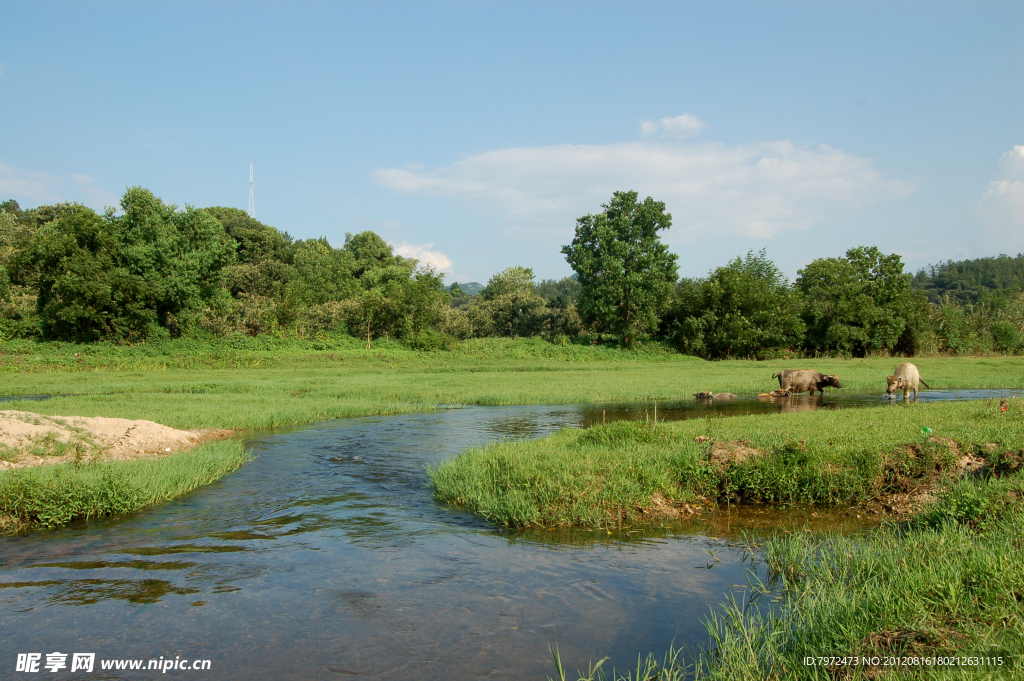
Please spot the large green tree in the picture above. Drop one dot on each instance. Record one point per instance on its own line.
(860, 304)
(626, 274)
(745, 309)
(126, 277)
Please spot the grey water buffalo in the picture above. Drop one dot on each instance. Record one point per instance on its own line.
(906, 378)
(705, 395)
(802, 380)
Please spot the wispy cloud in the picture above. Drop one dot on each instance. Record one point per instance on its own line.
(30, 186)
(426, 254)
(680, 127)
(758, 189)
(1001, 207)
(27, 184)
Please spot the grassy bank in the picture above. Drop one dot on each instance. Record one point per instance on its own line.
(622, 472)
(950, 584)
(51, 496)
(251, 383)
(947, 584)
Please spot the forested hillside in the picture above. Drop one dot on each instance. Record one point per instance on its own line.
(153, 271)
(973, 281)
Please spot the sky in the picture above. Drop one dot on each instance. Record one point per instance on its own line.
(473, 135)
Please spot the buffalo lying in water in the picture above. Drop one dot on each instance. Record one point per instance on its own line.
(802, 380)
(774, 393)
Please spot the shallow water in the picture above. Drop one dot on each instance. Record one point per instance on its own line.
(30, 398)
(751, 404)
(326, 555)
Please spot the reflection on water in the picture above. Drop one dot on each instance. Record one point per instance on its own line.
(326, 555)
(91, 591)
(749, 404)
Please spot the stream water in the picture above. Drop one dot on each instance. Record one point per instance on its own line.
(326, 556)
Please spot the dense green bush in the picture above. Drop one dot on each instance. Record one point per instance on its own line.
(745, 309)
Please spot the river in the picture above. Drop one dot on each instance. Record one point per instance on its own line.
(326, 556)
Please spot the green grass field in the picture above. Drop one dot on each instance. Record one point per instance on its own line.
(265, 382)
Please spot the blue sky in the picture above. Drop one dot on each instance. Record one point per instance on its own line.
(471, 135)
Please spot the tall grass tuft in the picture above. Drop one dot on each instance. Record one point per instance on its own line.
(51, 496)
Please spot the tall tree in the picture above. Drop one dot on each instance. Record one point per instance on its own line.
(859, 304)
(626, 274)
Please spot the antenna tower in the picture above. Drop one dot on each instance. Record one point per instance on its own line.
(252, 203)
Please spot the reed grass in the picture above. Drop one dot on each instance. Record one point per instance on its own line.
(55, 495)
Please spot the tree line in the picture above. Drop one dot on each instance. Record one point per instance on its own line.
(153, 271)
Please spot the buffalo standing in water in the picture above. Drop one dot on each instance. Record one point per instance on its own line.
(802, 380)
(906, 378)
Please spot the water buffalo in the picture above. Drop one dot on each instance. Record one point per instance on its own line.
(906, 378)
(773, 394)
(713, 396)
(802, 380)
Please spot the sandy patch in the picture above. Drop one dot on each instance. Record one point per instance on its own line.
(28, 439)
(725, 455)
(660, 507)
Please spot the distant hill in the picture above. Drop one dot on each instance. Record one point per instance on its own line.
(972, 281)
(470, 288)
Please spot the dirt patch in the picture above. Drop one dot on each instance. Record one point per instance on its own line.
(662, 508)
(969, 464)
(948, 442)
(1008, 462)
(900, 505)
(28, 439)
(888, 642)
(725, 455)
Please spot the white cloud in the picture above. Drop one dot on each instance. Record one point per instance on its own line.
(42, 188)
(97, 197)
(426, 255)
(1013, 160)
(680, 127)
(1001, 208)
(758, 189)
(26, 184)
